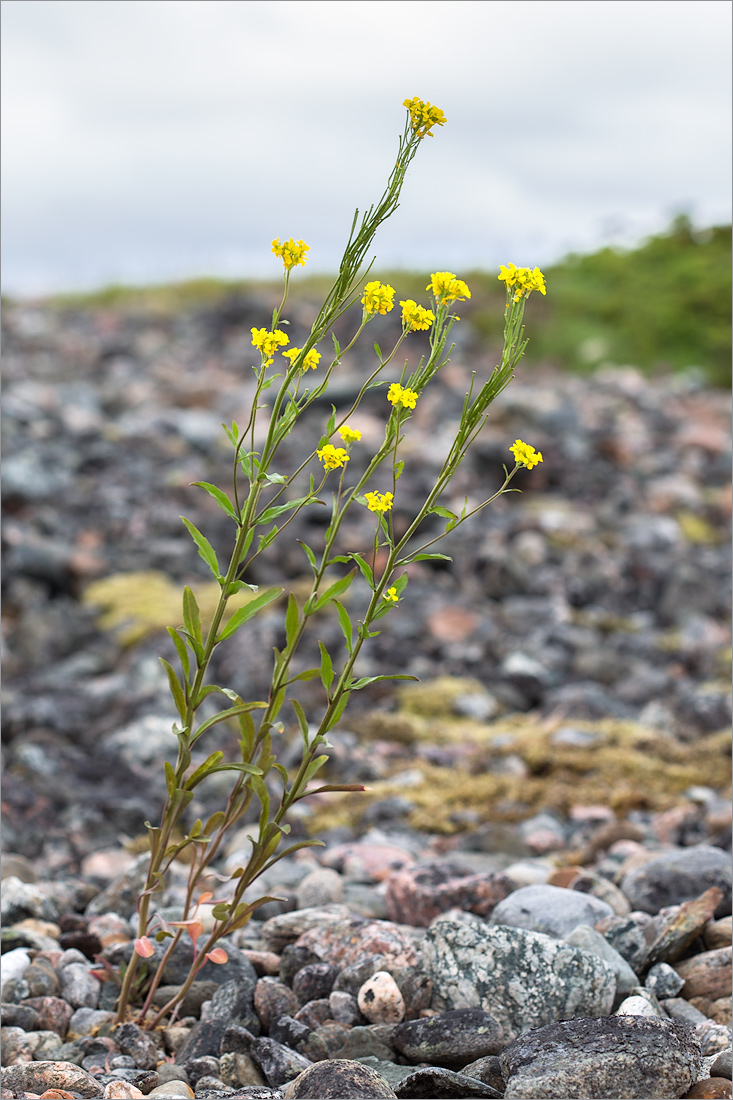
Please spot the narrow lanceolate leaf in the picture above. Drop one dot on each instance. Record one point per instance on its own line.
(291, 620)
(191, 615)
(326, 669)
(424, 557)
(223, 716)
(206, 550)
(170, 776)
(346, 626)
(176, 690)
(244, 614)
(302, 720)
(335, 589)
(180, 645)
(220, 497)
(362, 683)
(309, 554)
(203, 770)
(340, 708)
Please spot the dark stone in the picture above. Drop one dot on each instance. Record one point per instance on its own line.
(293, 959)
(626, 1057)
(314, 981)
(339, 1080)
(299, 1037)
(86, 942)
(679, 875)
(205, 1038)
(13, 1015)
(451, 1039)
(205, 1066)
(277, 1062)
(443, 1084)
(137, 1043)
(53, 1013)
(234, 1002)
(236, 1040)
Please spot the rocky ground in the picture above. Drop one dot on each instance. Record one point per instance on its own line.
(533, 899)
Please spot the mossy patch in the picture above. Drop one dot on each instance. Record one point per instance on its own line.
(627, 766)
(135, 605)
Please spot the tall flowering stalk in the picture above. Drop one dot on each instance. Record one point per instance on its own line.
(261, 507)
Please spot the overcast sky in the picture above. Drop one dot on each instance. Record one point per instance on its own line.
(146, 140)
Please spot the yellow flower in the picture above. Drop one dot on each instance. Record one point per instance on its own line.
(399, 396)
(415, 317)
(268, 342)
(525, 280)
(524, 454)
(311, 361)
(391, 595)
(423, 116)
(333, 457)
(447, 288)
(291, 252)
(349, 435)
(379, 502)
(378, 297)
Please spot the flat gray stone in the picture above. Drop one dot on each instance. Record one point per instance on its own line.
(338, 1079)
(587, 939)
(679, 875)
(523, 979)
(626, 1057)
(549, 909)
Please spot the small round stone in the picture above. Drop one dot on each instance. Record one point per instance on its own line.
(380, 1000)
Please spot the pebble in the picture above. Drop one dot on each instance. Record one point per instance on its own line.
(707, 974)
(380, 999)
(451, 1039)
(39, 1076)
(343, 1079)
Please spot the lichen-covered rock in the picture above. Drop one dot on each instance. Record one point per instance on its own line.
(619, 1056)
(523, 979)
(443, 1084)
(451, 1039)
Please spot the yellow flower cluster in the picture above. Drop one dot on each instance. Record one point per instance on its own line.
(333, 457)
(378, 297)
(268, 342)
(399, 396)
(391, 595)
(423, 116)
(446, 288)
(291, 252)
(524, 454)
(311, 361)
(379, 502)
(523, 279)
(415, 317)
(349, 435)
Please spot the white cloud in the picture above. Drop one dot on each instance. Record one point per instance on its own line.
(158, 138)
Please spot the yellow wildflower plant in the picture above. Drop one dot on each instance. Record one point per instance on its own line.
(402, 396)
(423, 116)
(379, 502)
(349, 435)
(333, 457)
(415, 317)
(311, 361)
(391, 595)
(268, 342)
(525, 455)
(445, 287)
(291, 252)
(378, 297)
(524, 279)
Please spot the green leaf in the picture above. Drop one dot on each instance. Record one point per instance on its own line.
(291, 620)
(214, 822)
(340, 708)
(399, 467)
(191, 614)
(439, 510)
(378, 351)
(366, 569)
(331, 422)
(180, 645)
(425, 557)
(260, 789)
(204, 769)
(170, 776)
(276, 479)
(309, 554)
(334, 589)
(176, 690)
(313, 767)
(302, 720)
(326, 668)
(223, 716)
(336, 346)
(220, 497)
(221, 911)
(359, 684)
(237, 586)
(347, 628)
(206, 550)
(244, 614)
(307, 674)
(270, 514)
